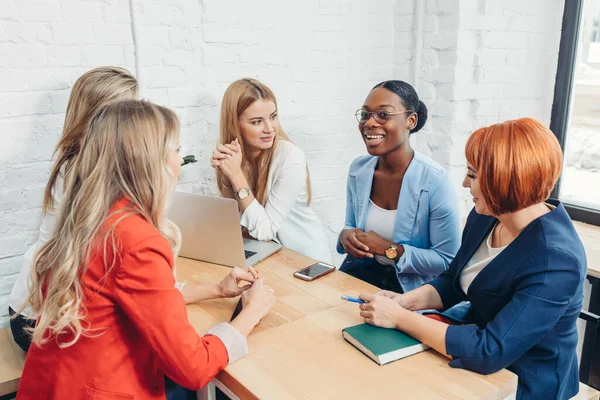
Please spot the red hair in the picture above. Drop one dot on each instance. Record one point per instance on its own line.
(517, 162)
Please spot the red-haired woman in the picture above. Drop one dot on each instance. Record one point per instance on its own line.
(520, 264)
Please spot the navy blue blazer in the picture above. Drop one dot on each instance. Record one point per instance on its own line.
(524, 305)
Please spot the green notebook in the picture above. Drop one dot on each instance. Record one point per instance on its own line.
(382, 345)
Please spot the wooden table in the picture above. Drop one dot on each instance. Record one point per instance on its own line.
(12, 359)
(590, 352)
(297, 351)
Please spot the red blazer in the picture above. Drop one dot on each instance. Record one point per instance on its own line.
(139, 330)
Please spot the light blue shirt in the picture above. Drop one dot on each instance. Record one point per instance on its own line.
(427, 221)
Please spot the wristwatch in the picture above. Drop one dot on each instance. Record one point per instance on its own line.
(392, 252)
(242, 193)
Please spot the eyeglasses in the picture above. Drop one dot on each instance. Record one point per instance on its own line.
(381, 116)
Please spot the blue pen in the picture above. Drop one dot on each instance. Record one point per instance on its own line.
(352, 299)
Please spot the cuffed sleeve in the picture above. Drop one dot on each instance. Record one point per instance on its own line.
(179, 286)
(235, 342)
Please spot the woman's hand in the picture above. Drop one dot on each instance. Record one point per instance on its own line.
(399, 298)
(377, 244)
(381, 311)
(352, 245)
(257, 302)
(228, 159)
(229, 286)
(259, 299)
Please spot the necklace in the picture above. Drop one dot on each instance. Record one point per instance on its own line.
(499, 234)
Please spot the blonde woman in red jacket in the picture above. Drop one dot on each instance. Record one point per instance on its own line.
(111, 323)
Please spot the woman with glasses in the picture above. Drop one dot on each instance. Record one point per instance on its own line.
(259, 166)
(402, 226)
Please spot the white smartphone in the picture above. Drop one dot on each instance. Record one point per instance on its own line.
(314, 271)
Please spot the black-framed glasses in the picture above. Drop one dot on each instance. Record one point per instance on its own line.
(381, 116)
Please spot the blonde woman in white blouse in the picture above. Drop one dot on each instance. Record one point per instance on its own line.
(265, 172)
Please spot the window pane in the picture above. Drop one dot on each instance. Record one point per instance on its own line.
(580, 182)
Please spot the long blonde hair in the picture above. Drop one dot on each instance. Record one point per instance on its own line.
(240, 95)
(91, 91)
(123, 155)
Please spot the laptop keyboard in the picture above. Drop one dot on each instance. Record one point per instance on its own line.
(249, 253)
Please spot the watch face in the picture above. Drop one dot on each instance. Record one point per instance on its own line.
(243, 193)
(391, 253)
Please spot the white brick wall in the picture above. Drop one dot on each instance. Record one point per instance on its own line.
(480, 61)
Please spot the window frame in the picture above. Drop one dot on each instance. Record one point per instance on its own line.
(561, 104)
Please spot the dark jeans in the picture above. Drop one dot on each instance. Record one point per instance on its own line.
(178, 392)
(17, 327)
(370, 271)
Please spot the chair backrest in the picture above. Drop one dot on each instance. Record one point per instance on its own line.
(592, 335)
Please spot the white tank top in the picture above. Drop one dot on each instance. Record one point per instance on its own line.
(382, 222)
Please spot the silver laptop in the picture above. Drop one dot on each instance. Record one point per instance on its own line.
(211, 231)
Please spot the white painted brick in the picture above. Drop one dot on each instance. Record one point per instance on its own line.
(449, 23)
(22, 56)
(59, 100)
(116, 11)
(153, 56)
(9, 10)
(158, 96)
(6, 284)
(29, 175)
(157, 36)
(10, 266)
(21, 199)
(63, 56)
(78, 11)
(504, 40)
(49, 78)
(15, 245)
(13, 80)
(72, 33)
(404, 7)
(537, 41)
(25, 32)
(439, 41)
(113, 34)
(96, 55)
(158, 14)
(181, 97)
(8, 31)
(439, 75)
(223, 33)
(178, 57)
(493, 57)
(39, 10)
(17, 104)
(21, 221)
(164, 77)
(442, 6)
(179, 38)
(488, 23)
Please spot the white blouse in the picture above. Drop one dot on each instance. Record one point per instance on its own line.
(20, 291)
(286, 216)
(480, 259)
